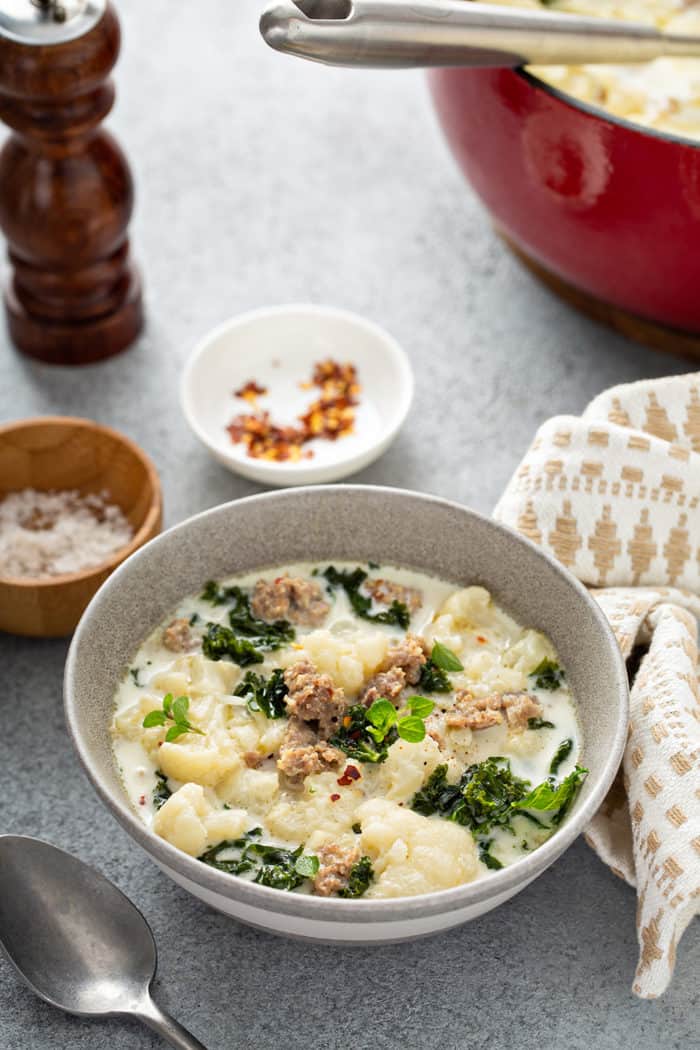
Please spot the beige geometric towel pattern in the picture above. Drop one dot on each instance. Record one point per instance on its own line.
(615, 496)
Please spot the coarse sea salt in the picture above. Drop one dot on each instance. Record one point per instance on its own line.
(52, 533)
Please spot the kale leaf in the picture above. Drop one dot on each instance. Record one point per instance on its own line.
(486, 857)
(266, 695)
(274, 866)
(539, 723)
(350, 580)
(433, 679)
(548, 675)
(161, 792)
(560, 755)
(220, 641)
(554, 800)
(359, 879)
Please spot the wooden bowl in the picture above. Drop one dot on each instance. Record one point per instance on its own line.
(60, 452)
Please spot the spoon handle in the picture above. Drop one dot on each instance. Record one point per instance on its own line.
(170, 1029)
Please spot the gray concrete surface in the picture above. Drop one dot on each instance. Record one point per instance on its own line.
(265, 180)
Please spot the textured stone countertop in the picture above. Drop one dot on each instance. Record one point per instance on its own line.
(262, 180)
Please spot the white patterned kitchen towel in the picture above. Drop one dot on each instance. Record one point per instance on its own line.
(615, 495)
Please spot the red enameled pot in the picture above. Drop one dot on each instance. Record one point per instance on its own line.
(610, 208)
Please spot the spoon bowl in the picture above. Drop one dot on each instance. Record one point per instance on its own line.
(76, 940)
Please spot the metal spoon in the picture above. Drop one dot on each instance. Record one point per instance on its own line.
(76, 940)
(397, 34)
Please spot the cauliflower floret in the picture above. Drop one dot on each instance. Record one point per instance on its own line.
(202, 759)
(194, 675)
(348, 662)
(254, 787)
(312, 817)
(412, 854)
(407, 766)
(187, 820)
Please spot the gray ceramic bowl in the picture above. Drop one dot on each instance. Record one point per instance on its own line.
(352, 522)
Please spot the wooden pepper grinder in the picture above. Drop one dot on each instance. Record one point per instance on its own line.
(66, 192)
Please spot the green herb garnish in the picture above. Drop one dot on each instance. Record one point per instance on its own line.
(174, 711)
(445, 659)
(266, 695)
(273, 866)
(548, 675)
(350, 580)
(539, 723)
(487, 857)
(560, 755)
(367, 733)
(161, 792)
(359, 879)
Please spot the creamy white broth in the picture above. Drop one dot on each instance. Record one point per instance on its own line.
(410, 853)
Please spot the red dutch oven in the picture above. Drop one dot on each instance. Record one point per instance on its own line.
(599, 203)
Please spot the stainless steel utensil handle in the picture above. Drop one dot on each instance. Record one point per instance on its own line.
(409, 33)
(171, 1030)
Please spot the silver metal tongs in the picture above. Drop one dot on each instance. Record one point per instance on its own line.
(407, 33)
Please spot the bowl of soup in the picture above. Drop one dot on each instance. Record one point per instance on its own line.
(593, 172)
(347, 713)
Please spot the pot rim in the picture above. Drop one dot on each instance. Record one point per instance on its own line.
(599, 113)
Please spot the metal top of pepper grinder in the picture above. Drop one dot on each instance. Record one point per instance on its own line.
(46, 22)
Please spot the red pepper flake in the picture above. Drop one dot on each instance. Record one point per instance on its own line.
(481, 640)
(142, 800)
(250, 392)
(334, 798)
(351, 773)
(330, 416)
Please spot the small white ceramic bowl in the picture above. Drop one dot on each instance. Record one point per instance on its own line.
(278, 347)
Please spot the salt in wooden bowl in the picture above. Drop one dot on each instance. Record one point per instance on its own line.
(66, 453)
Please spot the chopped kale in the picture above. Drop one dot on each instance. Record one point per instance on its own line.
(247, 637)
(194, 619)
(560, 755)
(273, 866)
(134, 672)
(350, 581)
(486, 857)
(553, 800)
(357, 829)
(489, 795)
(539, 723)
(548, 675)
(216, 594)
(266, 695)
(433, 679)
(359, 879)
(374, 565)
(433, 675)
(220, 641)
(161, 792)
(482, 799)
